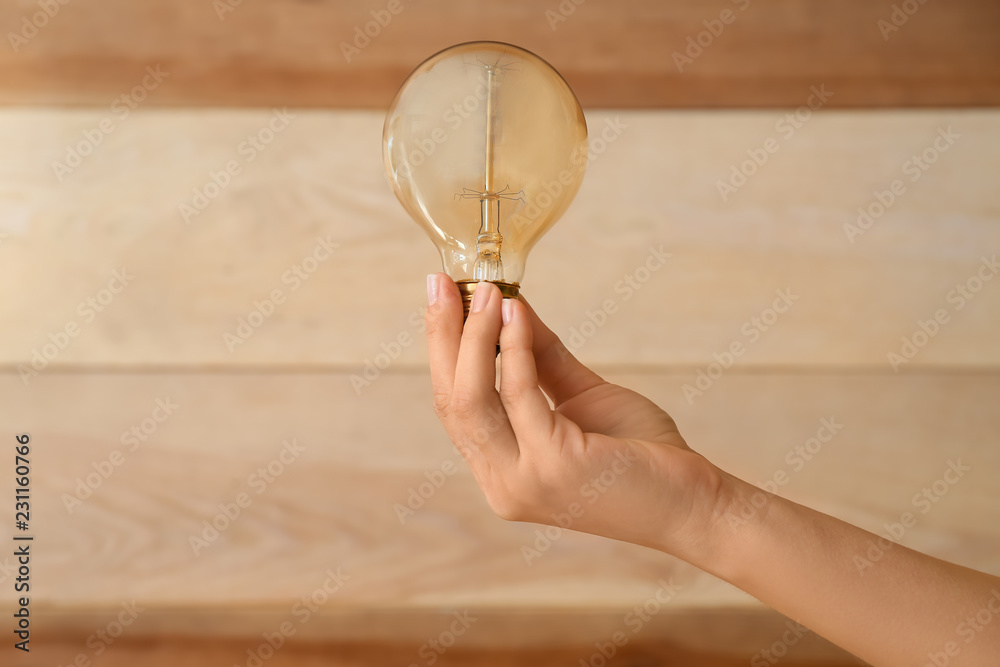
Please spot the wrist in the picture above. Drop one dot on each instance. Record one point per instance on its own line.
(733, 528)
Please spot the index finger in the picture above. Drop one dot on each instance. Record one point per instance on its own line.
(443, 321)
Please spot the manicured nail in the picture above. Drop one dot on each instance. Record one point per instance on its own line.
(506, 310)
(432, 288)
(481, 296)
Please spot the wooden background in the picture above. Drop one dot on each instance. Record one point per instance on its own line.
(370, 439)
(614, 54)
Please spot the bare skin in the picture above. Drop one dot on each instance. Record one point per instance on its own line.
(532, 460)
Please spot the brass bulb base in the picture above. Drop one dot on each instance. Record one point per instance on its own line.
(468, 287)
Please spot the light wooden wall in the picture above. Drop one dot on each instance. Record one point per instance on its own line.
(301, 375)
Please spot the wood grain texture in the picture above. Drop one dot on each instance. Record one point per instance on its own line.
(653, 185)
(334, 506)
(710, 634)
(200, 653)
(339, 366)
(614, 54)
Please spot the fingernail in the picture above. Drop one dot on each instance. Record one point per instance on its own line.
(480, 297)
(432, 288)
(506, 310)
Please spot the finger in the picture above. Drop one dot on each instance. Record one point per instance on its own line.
(475, 404)
(560, 374)
(475, 372)
(526, 406)
(443, 321)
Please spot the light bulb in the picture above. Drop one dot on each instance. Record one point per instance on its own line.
(485, 145)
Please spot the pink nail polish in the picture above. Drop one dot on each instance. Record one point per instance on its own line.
(432, 288)
(481, 296)
(506, 310)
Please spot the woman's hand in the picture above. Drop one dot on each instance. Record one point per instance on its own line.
(607, 461)
(604, 460)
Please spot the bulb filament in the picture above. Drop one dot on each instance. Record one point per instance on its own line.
(489, 265)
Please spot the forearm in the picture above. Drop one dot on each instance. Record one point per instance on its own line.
(883, 602)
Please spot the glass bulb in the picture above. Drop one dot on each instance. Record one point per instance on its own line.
(485, 145)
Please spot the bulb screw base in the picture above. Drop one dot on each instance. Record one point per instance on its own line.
(468, 287)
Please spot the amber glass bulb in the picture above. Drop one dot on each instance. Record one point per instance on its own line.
(485, 145)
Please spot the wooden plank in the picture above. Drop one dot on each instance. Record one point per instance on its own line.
(164, 652)
(614, 54)
(335, 505)
(655, 184)
(712, 633)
